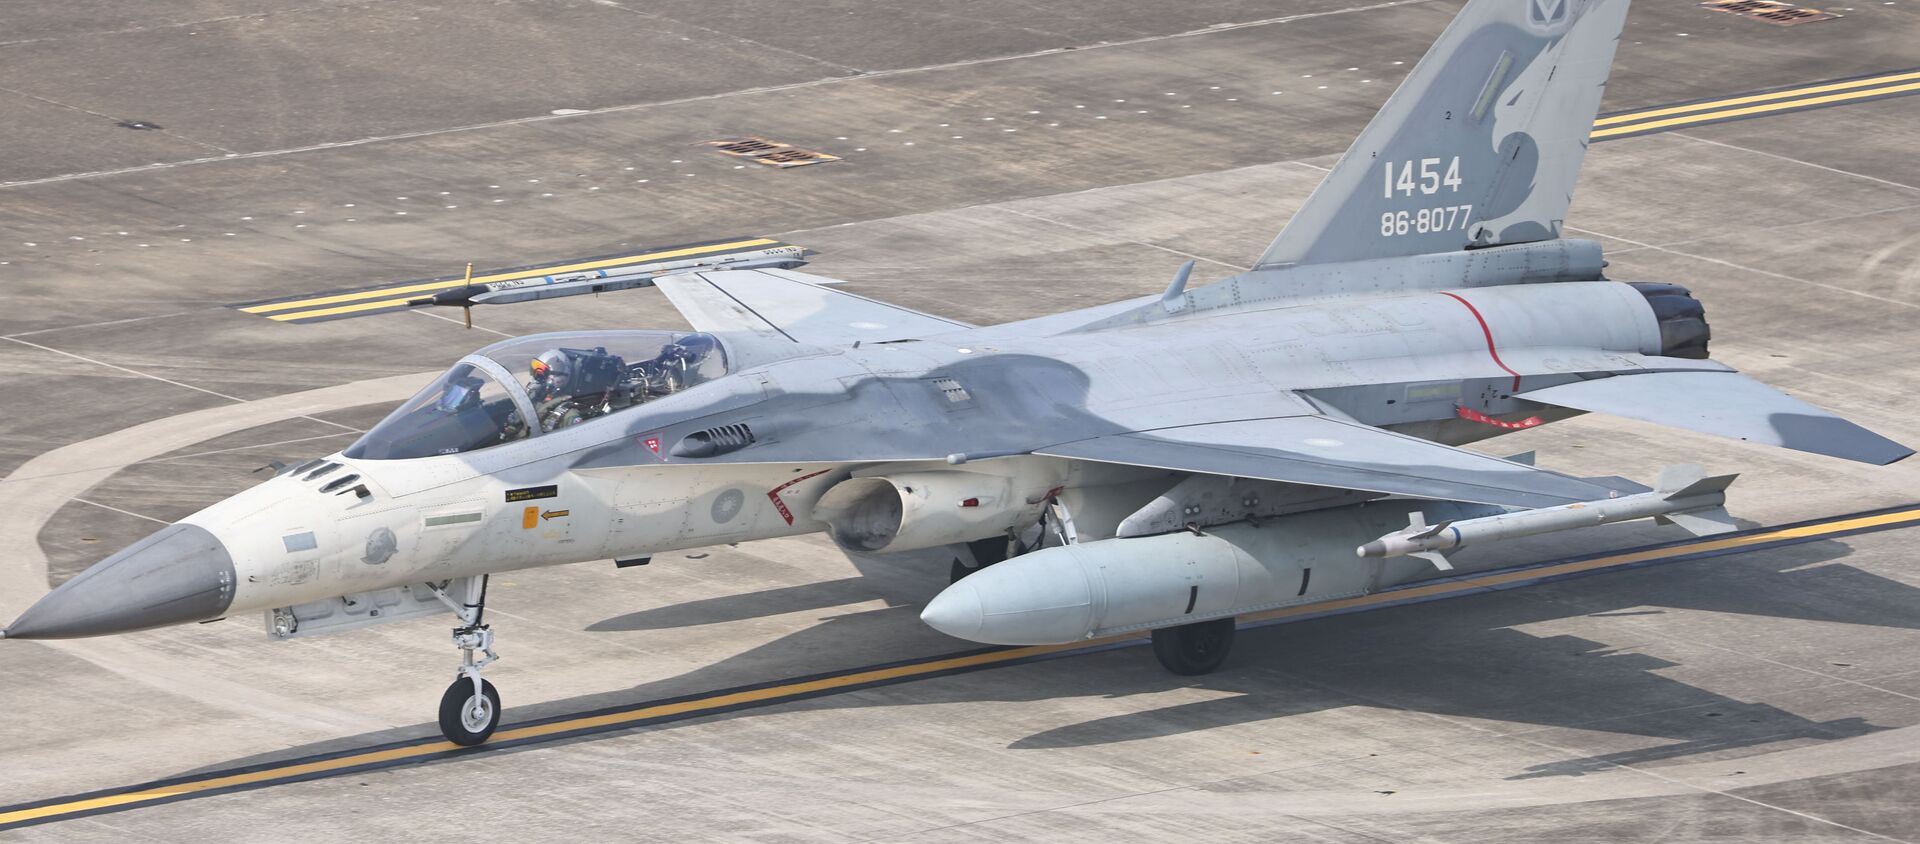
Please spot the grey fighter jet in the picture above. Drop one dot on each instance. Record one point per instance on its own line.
(1162, 463)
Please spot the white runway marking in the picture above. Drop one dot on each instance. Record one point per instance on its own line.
(120, 511)
(834, 80)
(1775, 155)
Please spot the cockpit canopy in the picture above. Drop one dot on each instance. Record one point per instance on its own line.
(555, 380)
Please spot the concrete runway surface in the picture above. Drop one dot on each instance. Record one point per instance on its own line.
(1001, 160)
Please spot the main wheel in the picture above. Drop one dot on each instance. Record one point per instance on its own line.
(1192, 649)
(467, 719)
(985, 552)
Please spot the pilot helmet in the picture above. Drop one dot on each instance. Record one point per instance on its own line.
(551, 364)
(690, 350)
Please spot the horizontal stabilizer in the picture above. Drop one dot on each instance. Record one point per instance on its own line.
(1727, 404)
(1320, 451)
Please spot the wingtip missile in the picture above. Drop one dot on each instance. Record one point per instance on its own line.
(606, 280)
(457, 297)
(1685, 496)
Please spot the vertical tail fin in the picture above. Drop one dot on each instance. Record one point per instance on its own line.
(1480, 146)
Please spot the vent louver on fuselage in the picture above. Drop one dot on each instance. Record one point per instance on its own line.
(714, 441)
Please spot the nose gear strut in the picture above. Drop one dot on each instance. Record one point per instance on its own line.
(470, 708)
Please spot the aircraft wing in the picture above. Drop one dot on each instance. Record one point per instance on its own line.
(1727, 404)
(792, 306)
(1322, 451)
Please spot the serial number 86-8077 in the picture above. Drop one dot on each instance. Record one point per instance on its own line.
(1441, 219)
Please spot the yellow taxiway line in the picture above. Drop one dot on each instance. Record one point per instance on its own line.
(713, 703)
(1618, 124)
(1731, 102)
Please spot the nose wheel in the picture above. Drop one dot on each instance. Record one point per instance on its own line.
(469, 712)
(470, 708)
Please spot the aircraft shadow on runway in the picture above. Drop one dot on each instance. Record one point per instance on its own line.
(1464, 658)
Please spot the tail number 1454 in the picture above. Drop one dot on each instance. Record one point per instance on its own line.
(1428, 179)
(1424, 177)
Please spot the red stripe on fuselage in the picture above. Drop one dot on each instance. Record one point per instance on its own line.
(1488, 332)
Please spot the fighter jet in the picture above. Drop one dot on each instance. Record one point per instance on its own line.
(1284, 436)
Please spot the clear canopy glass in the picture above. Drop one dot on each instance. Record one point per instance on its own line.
(563, 379)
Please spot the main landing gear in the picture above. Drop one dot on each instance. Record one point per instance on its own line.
(1054, 528)
(986, 552)
(1193, 649)
(470, 709)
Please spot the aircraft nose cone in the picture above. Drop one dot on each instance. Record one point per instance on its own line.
(956, 611)
(181, 573)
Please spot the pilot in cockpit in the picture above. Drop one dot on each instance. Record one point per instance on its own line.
(551, 372)
(572, 385)
(677, 365)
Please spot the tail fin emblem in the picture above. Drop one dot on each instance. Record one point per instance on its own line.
(1545, 14)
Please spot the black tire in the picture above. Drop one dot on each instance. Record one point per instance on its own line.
(985, 552)
(1194, 649)
(457, 724)
(988, 551)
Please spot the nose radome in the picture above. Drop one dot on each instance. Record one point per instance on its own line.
(181, 573)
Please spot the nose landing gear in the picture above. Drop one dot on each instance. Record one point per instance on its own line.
(470, 708)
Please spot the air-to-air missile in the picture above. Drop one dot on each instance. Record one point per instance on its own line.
(1090, 590)
(1686, 497)
(607, 280)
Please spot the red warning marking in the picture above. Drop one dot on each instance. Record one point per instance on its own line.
(781, 506)
(1488, 332)
(652, 442)
(1472, 415)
